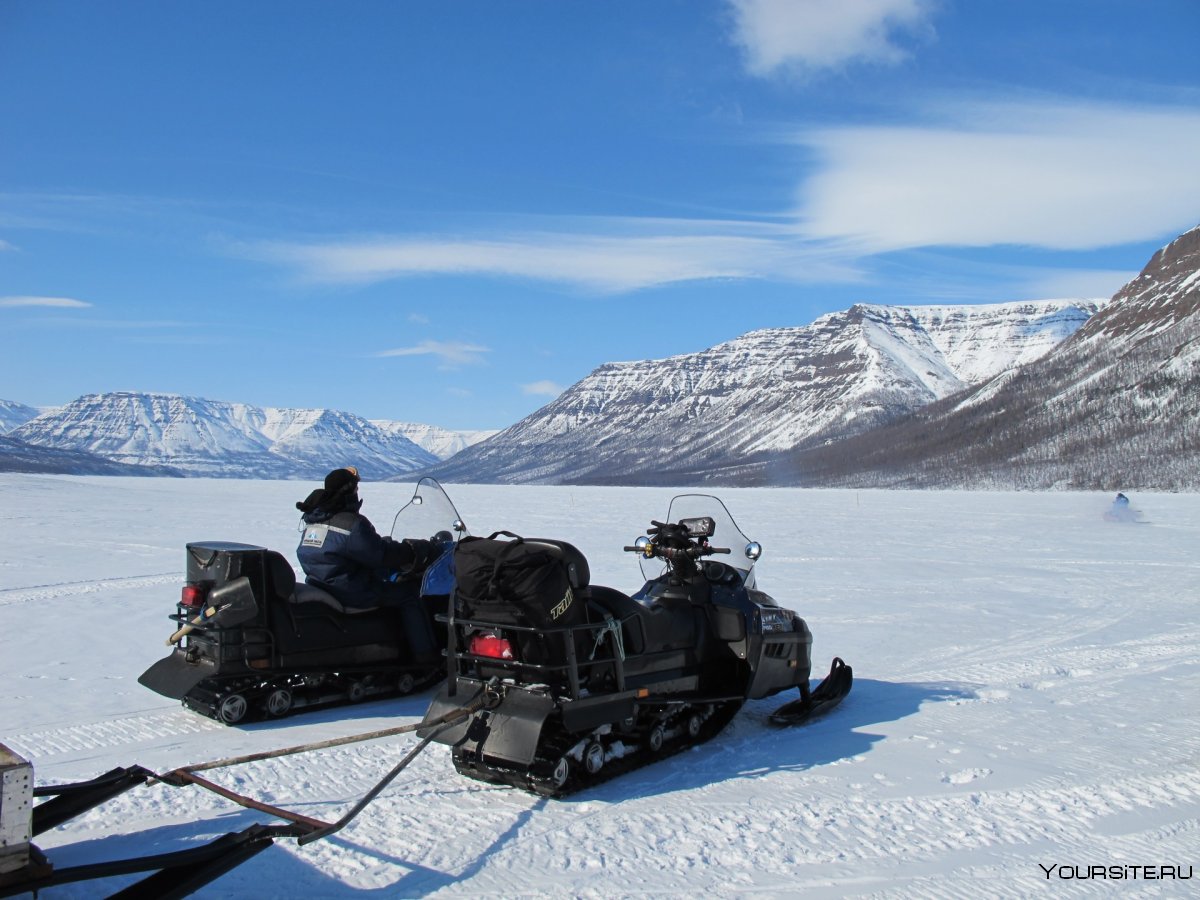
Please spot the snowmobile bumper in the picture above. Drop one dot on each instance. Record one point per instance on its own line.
(510, 730)
(174, 676)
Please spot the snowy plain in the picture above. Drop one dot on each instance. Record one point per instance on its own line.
(1026, 705)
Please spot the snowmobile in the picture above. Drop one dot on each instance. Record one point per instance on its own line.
(1122, 511)
(253, 642)
(580, 682)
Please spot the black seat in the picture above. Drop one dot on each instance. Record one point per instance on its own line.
(287, 589)
(625, 610)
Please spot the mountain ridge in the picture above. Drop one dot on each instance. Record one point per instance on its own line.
(769, 390)
(1115, 406)
(200, 437)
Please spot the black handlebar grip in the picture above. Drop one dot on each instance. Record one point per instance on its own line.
(719, 550)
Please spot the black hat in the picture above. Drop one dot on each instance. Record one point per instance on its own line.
(340, 479)
(341, 486)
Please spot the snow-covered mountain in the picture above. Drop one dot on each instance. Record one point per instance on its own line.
(767, 391)
(441, 442)
(1116, 406)
(13, 414)
(223, 440)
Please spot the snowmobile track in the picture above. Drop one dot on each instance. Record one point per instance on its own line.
(41, 592)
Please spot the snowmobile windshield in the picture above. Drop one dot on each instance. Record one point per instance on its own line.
(726, 533)
(429, 515)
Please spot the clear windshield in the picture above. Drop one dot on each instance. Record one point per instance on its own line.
(725, 534)
(429, 515)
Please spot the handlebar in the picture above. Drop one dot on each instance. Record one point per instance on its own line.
(652, 550)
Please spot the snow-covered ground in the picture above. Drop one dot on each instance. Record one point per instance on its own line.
(1027, 701)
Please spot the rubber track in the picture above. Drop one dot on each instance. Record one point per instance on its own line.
(535, 779)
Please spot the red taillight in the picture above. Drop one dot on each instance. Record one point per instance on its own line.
(491, 645)
(194, 595)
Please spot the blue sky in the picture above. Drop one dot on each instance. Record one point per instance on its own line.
(448, 212)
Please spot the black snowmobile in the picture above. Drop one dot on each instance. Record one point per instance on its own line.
(582, 682)
(254, 642)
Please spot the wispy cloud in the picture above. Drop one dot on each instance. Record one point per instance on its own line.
(451, 353)
(620, 256)
(804, 36)
(1054, 175)
(6, 247)
(55, 302)
(542, 389)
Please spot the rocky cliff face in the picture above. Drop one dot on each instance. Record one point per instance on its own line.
(223, 440)
(766, 392)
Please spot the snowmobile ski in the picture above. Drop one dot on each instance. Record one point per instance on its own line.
(822, 699)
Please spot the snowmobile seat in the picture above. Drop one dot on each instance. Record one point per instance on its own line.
(310, 593)
(627, 611)
(280, 574)
(660, 626)
(290, 591)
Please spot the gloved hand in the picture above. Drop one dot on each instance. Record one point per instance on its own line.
(424, 553)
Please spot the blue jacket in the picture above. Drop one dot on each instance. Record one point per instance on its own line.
(343, 554)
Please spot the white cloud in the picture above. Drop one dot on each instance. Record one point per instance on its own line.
(6, 247)
(56, 302)
(624, 255)
(542, 389)
(451, 353)
(807, 35)
(1049, 175)
(418, 319)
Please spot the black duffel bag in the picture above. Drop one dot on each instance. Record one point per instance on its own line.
(516, 582)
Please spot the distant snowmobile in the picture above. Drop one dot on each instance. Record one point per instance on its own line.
(1122, 511)
(581, 682)
(253, 642)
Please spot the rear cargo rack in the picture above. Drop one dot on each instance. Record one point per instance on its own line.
(571, 667)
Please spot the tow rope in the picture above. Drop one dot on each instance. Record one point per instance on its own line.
(310, 829)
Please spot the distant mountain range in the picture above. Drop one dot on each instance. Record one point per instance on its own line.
(685, 418)
(193, 436)
(1055, 393)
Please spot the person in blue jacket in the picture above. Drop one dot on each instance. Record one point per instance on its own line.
(341, 553)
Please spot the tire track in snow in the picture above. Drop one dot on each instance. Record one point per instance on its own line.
(119, 732)
(835, 831)
(1022, 669)
(10, 596)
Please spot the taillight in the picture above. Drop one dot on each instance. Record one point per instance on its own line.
(194, 595)
(491, 645)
